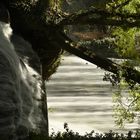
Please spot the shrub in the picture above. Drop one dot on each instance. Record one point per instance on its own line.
(70, 135)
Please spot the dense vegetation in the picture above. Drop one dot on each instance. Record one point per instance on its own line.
(70, 135)
(75, 136)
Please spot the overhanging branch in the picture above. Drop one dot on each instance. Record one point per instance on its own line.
(102, 17)
(101, 21)
(104, 63)
(54, 34)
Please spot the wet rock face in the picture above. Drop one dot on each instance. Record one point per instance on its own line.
(20, 87)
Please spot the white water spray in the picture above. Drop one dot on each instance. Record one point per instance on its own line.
(20, 88)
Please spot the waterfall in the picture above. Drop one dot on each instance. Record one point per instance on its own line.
(20, 87)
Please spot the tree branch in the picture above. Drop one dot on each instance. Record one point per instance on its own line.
(102, 17)
(65, 43)
(101, 21)
(52, 34)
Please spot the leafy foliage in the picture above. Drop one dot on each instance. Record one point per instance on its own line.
(124, 6)
(127, 92)
(70, 135)
(125, 42)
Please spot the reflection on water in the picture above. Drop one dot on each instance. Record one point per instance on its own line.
(78, 95)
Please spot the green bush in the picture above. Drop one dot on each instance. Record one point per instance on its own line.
(70, 135)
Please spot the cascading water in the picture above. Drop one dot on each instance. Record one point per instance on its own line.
(20, 87)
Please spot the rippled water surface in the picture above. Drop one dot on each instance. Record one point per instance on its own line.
(78, 95)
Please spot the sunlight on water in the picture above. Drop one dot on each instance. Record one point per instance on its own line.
(78, 95)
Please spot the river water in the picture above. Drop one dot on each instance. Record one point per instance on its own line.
(78, 95)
